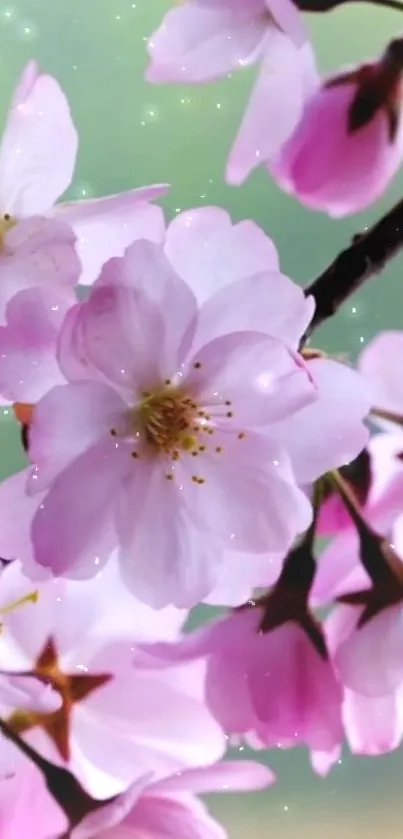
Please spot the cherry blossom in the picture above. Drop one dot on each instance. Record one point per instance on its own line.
(113, 725)
(202, 40)
(274, 685)
(348, 144)
(202, 408)
(37, 159)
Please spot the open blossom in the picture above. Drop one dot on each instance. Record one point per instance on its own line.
(37, 159)
(113, 725)
(348, 144)
(274, 685)
(199, 41)
(233, 270)
(161, 440)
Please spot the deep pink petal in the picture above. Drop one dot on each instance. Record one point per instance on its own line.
(28, 363)
(38, 149)
(197, 42)
(267, 302)
(274, 109)
(345, 172)
(248, 378)
(72, 527)
(210, 253)
(329, 432)
(164, 556)
(105, 227)
(66, 422)
(339, 570)
(294, 691)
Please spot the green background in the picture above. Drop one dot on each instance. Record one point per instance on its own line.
(133, 134)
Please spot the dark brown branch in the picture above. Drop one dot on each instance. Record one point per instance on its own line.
(368, 254)
(328, 5)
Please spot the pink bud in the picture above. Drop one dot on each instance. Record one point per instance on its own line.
(349, 143)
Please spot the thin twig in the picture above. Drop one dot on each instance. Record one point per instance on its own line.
(368, 254)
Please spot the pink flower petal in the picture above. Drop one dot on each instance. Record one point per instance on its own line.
(294, 691)
(165, 558)
(17, 510)
(248, 497)
(27, 808)
(370, 660)
(112, 814)
(39, 252)
(210, 253)
(258, 376)
(72, 527)
(329, 432)
(39, 147)
(28, 364)
(339, 570)
(289, 18)
(267, 302)
(197, 42)
(373, 725)
(105, 227)
(380, 363)
(240, 573)
(274, 109)
(172, 818)
(226, 776)
(146, 271)
(66, 422)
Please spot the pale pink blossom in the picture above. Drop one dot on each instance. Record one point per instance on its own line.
(201, 40)
(348, 144)
(37, 159)
(163, 436)
(274, 685)
(115, 723)
(233, 270)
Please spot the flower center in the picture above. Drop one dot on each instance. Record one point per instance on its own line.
(6, 224)
(167, 420)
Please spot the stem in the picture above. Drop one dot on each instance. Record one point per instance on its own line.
(368, 254)
(300, 566)
(390, 416)
(372, 554)
(61, 784)
(328, 5)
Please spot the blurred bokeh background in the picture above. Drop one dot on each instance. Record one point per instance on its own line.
(133, 134)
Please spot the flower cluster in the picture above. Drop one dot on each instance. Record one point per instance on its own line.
(185, 444)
